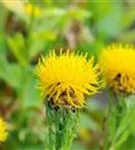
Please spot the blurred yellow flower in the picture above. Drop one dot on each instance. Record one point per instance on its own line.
(3, 132)
(64, 79)
(85, 134)
(118, 64)
(29, 9)
(23, 8)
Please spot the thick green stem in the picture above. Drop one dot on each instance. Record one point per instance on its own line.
(62, 127)
(116, 110)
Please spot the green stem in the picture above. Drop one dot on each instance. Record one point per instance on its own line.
(115, 111)
(62, 127)
(51, 133)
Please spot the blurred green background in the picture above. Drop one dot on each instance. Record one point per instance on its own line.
(31, 28)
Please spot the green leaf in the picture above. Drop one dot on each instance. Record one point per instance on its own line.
(127, 123)
(108, 17)
(93, 49)
(53, 12)
(17, 46)
(30, 95)
(39, 41)
(77, 13)
(11, 73)
(14, 75)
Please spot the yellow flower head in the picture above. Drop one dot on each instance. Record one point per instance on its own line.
(118, 65)
(64, 79)
(29, 9)
(3, 132)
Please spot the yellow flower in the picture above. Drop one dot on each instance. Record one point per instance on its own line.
(64, 79)
(118, 65)
(29, 9)
(3, 132)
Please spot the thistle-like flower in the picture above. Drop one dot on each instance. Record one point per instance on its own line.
(65, 79)
(118, 65)
(3, 131)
